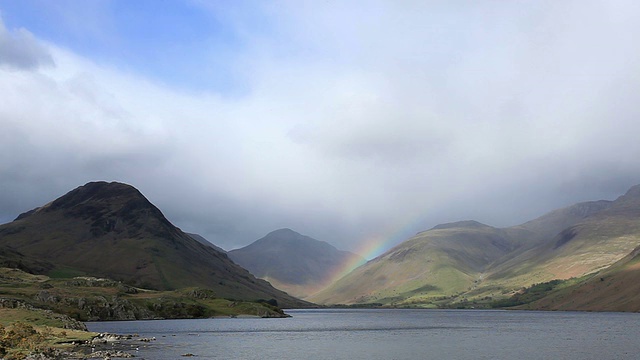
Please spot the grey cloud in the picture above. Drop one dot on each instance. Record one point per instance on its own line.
(378, 125)
(19, 49)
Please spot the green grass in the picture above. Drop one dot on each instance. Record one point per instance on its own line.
(20, 337)
(535, 292)
(64, 295)
(65, 273)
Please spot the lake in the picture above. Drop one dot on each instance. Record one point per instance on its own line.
(392, 334)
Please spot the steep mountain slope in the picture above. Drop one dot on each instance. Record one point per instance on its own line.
(205, 242)
(111, 230)
(467, 260)
(10, 258)
(444, 261)
(616, 288)
(590, 244)
(298, 264)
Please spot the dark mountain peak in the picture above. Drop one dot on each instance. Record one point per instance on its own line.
(92, 195)
(99, 191)
(286, 238)
(297, 263)
(109, 229)
(466, 224)
(112, 206)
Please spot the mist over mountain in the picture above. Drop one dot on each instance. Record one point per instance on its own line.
(293, 262)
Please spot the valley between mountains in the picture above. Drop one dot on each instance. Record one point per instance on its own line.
(108, 247)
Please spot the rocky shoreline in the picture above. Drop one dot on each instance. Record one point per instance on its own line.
(101, 347)
(106, 346)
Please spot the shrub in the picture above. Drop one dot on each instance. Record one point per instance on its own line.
(19, 338)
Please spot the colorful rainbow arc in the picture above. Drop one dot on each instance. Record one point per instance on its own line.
(375, 246)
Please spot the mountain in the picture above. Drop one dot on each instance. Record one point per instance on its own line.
(470, 262)
(298, 264)
(111, 230)
(590, 243)
(555, 221)
(205, 242)
(447, 260)
(616, 288)
(10, 258)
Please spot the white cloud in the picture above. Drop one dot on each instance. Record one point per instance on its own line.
(357, 118)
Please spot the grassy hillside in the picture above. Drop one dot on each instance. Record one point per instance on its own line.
(469, 264)
(92, 299)
(589, 245)
(111, 230)
(616, 288)
(439, 263)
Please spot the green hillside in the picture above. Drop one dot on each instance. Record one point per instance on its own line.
(93, 299)
(111, 230)
(445, 261)
(616, 288)
(590, 244)
(470, 264)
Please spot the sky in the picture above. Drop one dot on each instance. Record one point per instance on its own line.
(353, 122)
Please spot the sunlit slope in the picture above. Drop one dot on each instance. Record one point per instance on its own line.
(593, 243)
(111, 230)
(464, 261)
(616, 288)
(295, 263)
(446, 260)
(542, 232)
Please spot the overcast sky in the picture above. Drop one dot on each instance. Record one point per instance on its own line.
(343, 120)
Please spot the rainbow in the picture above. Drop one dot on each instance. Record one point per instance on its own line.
(372, 247)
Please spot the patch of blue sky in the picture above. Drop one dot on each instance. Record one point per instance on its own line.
(178, 43)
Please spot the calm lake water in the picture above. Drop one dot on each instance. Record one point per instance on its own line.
(392, 334)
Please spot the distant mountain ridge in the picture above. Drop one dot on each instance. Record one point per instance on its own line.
(469, 261)
(296, 263)
(111, 230)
